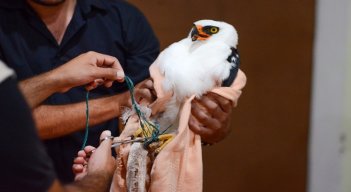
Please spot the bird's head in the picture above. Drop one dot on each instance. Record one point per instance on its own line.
(209, 30)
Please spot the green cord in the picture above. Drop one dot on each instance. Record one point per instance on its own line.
(143, 120)
(86, 121)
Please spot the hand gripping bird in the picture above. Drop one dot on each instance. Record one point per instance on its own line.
(206, 59)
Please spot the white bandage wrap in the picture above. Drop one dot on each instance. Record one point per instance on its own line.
(5, 72)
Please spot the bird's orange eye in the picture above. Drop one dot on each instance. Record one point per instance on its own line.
(214, 30)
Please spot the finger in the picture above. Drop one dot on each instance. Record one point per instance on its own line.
(90, 87)
(148, 88)
(144, 95)
(200, 113)
(198, 128)
(105, 143)
(109, 73)
(112, 62)
(212, 107)
(77, 168)
(202, 116)
(224, 103)
(89, 149)
(108, 83)
(148, 84)
(81, 153)
(94, 84)
(207, 135)
(79, 160)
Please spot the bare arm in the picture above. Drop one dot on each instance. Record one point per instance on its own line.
(86, 68)
(38, 88)
(54, 121)
(59, 120)
(90, 183)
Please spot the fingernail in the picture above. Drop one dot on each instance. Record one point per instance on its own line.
(120, 74)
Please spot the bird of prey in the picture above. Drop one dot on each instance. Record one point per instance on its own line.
(207, 58)
(204, 60)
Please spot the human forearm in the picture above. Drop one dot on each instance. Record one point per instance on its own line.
(38, 88)
(97, 182)
(54, 121)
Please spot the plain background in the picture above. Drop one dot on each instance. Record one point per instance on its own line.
(267, 148)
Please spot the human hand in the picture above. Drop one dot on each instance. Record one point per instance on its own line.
(81, 161)
(95, 160)
(89, 68)
(210, 117)
(144, 92)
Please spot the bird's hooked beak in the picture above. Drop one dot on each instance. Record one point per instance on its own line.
(198, 34)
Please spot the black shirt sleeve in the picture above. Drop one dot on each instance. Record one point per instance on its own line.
(142, 45)
(25, 164)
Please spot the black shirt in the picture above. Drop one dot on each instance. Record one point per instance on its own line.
(25, 166)
(112, 27)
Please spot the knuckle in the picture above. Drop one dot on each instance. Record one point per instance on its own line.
(92, 60)
(115, 59)
(145, 92)
(212, 106)
(202, 116)
(193, 125)
(226, 102)
(221, 116)
(141, 93)
(94, 72)
(149, 83)
(90, 53)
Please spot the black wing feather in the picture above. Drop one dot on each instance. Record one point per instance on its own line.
(235, 59)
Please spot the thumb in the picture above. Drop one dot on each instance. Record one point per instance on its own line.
(110, 73)
(106, 140)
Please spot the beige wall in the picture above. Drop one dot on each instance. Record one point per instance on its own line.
(267, 149)
(346, 184)
(330, 147)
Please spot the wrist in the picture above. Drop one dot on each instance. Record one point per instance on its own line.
(92, 182)
(117, 102)
(103, 174)
(50, 82)
(56, 81)
(125, 99)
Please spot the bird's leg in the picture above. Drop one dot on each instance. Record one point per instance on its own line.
(164, 140)
(138, 132)
(144, 131)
